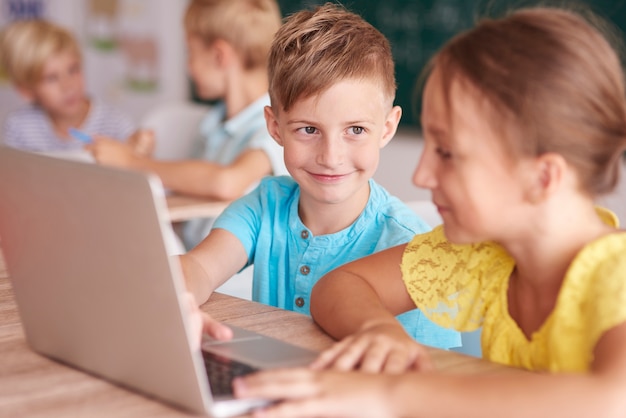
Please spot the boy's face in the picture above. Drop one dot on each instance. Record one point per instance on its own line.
(332, 141)
(61, 89)
(203, 64)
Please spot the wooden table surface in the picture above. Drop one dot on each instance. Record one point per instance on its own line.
(183, 208)
(34, 386)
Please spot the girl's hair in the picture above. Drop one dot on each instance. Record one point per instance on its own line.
(247, 25)
(553, 76)
(317, 48)
(26, 45)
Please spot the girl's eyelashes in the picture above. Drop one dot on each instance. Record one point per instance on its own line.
(443, 153)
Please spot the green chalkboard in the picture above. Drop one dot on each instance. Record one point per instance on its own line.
(418, 28)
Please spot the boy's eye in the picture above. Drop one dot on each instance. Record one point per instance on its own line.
(309, 130)
(443, 154)
(357, 130)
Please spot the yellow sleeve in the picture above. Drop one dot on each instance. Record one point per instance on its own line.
(453, 284)
(599, 287)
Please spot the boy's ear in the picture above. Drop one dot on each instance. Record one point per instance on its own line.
(391, 125)
(548, 176)
(224, 53)
(26, 93)
(272, 124)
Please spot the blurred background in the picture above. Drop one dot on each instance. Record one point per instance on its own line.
(135, 58)
(135, 55)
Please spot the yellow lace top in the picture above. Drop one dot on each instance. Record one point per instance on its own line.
(465, 287)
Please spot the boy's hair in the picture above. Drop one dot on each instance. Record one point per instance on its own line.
(26, 45)
(248, 25)
(554, 80)
(315, 49)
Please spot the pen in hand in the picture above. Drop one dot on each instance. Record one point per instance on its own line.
(81, 136)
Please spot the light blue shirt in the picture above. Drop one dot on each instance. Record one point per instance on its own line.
(288, 259)
(222, 141)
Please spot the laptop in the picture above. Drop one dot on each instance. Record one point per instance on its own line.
(86, 250)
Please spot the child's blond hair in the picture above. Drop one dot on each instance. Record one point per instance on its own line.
(317, 48)
(26, 45)
(248, 25)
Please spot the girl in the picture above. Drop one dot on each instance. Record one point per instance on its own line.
(524, 124)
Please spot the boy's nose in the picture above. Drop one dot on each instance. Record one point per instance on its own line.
(331, 152)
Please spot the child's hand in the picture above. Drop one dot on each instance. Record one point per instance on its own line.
(382, 347)
(142, 142)
(203, 323)
(309, 393)
(109, 151)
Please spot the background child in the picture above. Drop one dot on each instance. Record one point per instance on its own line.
(44, 62)
(332, 88)
(228, 42)
(524, 123)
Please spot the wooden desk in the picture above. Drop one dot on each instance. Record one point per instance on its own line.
(183, 208)
(34, 386)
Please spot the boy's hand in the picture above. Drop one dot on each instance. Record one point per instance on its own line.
(382, 347)
(109, 151)
(310, 393)
(142, 142)
(203, 323)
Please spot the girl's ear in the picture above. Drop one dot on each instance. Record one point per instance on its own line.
(548, 175)
(391, 125)
(272, 124)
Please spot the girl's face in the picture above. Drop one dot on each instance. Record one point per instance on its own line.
(478, 189)
(61, 90)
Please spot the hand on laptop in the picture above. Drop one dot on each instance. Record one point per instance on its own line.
(203, 323)
(311, 393)
(383, 347)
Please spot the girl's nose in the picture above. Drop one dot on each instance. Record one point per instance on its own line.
(424, 175)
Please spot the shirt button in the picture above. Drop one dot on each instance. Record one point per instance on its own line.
(299, 302)
(305, 270)
(304, 234)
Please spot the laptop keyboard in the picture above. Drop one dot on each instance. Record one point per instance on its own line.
(222, 370)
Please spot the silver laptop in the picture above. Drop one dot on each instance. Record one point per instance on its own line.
(96, 289)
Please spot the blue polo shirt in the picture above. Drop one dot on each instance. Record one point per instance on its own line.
(288, 259)
(222, 141)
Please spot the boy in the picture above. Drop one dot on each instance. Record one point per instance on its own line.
(228, 43)
(43, 61)
(332, 88)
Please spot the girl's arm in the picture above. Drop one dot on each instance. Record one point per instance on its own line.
(358, 302)
(511, 394)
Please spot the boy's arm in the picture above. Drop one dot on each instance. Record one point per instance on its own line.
(216, 259)
(208, 179)
(192, 177)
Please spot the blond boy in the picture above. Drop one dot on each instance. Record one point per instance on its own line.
(228, 42)
(332, 89)
(44, 63)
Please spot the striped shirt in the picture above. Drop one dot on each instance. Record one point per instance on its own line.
(29, 128)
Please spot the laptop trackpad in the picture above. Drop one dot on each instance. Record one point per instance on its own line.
(260, 351)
